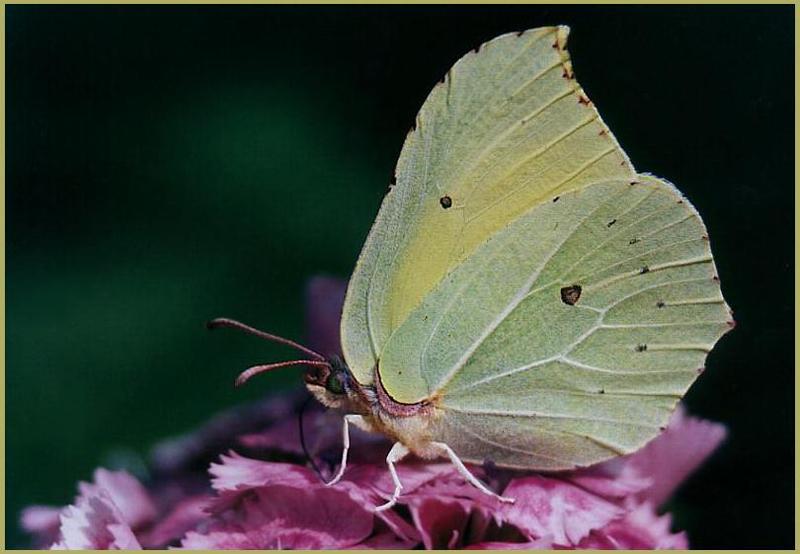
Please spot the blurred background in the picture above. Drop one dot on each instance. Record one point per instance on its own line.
(166, 165)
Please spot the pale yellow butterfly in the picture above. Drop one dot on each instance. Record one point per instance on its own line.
(524, 295)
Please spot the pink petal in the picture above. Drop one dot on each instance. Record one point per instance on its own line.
(324, 300)
(36, 519)
(186, 515)
(368, 485)
(677, 452)
(287, 517)
(440, 521)
(640, 529)
(367, 498)
(613, 479)
(237, 473)
(269, 536)
(449, 484)
(127, 494)
(384, 541)
(95, 523)
(538, 544)
(451, 513)
(551, 507)
(437, 497)
(105, 512)
(41, 521)
(412, 474)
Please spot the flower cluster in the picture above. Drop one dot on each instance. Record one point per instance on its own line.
(243, 482)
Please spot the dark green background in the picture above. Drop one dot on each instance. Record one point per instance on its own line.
(168, 165)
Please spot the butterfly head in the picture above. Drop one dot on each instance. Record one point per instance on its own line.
(328, 379)
(332, 385)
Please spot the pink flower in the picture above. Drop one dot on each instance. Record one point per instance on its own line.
(258, 492)
(102, 516)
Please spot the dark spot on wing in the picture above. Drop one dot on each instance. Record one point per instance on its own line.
(660, 304)
(641, 347)
(446, 201)
(715, 279)
(583, 100)
(635, 183)
(633, 241)
(601, 391)
(644, 270)
(556, 199)
(662, 428)
(602, 132)
(610, 223)
(700, 370)
(570, 295)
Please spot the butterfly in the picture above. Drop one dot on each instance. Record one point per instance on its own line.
(524, 296)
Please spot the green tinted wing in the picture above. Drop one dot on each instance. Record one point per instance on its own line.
(508, 128)
(570, 335)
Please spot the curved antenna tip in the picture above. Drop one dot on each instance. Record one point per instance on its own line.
(216, 323)
(232, 323)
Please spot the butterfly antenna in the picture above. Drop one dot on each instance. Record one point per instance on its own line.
(233, 324)
(248, 373)
(314, 465)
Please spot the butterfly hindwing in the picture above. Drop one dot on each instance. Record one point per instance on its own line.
(570, 335)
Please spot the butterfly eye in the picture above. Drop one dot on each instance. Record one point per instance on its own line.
(334, 383)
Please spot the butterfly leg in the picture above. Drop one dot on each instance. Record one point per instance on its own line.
(359, 422)
(397, 453)
(466, 474)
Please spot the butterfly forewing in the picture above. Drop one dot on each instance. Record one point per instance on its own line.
(506, 129)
